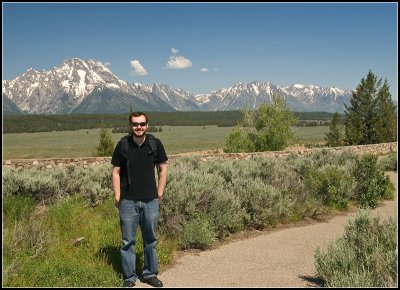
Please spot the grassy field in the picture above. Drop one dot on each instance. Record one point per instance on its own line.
(311, 135)
(176, 139)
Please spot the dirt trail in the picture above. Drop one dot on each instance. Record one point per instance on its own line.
(278, 258)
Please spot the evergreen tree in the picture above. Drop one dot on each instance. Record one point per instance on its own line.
(386, 123)
(106, 144)
(369, 117)
(334, 136)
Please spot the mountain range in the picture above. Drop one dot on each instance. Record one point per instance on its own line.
(89, 86)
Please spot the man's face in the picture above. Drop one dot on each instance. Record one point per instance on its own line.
(139, 126)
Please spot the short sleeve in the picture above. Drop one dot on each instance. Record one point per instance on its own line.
(161, 155)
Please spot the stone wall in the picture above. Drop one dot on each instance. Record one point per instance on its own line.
(85, 162)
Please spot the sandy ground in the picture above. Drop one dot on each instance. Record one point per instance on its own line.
(277, 258)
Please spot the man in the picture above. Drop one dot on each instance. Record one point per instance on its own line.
(137, 196)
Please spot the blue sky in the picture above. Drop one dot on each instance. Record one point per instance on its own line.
(200, 47)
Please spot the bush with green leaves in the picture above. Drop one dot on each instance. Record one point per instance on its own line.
(372, 183)
(366, 256)
(47, 186)
(269, 128)
(240, 140)
(389, 162)
(197, 233)
(194, 187)
(331, 184)
(265, 205)
(32, 182)
(253, 193)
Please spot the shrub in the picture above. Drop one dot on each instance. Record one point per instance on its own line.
(32, 182)
(389, 162)
(197, 233)
(239, 141)
(262, 203)
(366, 256)
(331, 184)
(371, 182)
(93, 183)
(203, 190)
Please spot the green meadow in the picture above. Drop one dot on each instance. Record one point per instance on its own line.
(176, 139)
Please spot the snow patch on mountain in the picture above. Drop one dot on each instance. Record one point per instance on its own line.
(63, 88)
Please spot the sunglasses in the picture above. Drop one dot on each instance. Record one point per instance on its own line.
(135, 124)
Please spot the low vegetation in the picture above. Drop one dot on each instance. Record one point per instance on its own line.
(366, 256)
(48, 240)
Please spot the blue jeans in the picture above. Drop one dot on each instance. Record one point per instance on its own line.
(144, 213)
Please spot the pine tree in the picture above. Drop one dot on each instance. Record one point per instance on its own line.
(386, 123)
(106, 144)
(334, 136)
(369, 117)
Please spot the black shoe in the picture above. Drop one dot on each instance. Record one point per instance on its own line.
(153, 281)
(129, 284)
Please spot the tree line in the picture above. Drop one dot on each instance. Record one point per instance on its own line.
(68, 122)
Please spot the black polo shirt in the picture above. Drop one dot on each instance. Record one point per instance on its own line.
(141, 169)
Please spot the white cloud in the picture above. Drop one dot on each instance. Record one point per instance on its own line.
(138, 69)
(107, 63)
(174, 50)
(178, 62)
(204, 69)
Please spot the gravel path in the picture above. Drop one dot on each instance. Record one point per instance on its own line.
(277, 258)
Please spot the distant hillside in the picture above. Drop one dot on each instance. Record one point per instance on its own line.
(9, 107)
(106, 100)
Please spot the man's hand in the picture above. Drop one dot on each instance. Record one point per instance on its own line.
(116, 184)
(162, 179)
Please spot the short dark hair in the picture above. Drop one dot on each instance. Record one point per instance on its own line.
(138, 114)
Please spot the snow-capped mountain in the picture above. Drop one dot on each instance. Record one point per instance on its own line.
(179, 99)
(62, 88)
(88, 86)
(300, 98)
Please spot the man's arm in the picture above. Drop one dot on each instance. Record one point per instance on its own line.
(162, 179)
(117, 184)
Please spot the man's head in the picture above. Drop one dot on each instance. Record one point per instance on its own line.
(139, 123)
